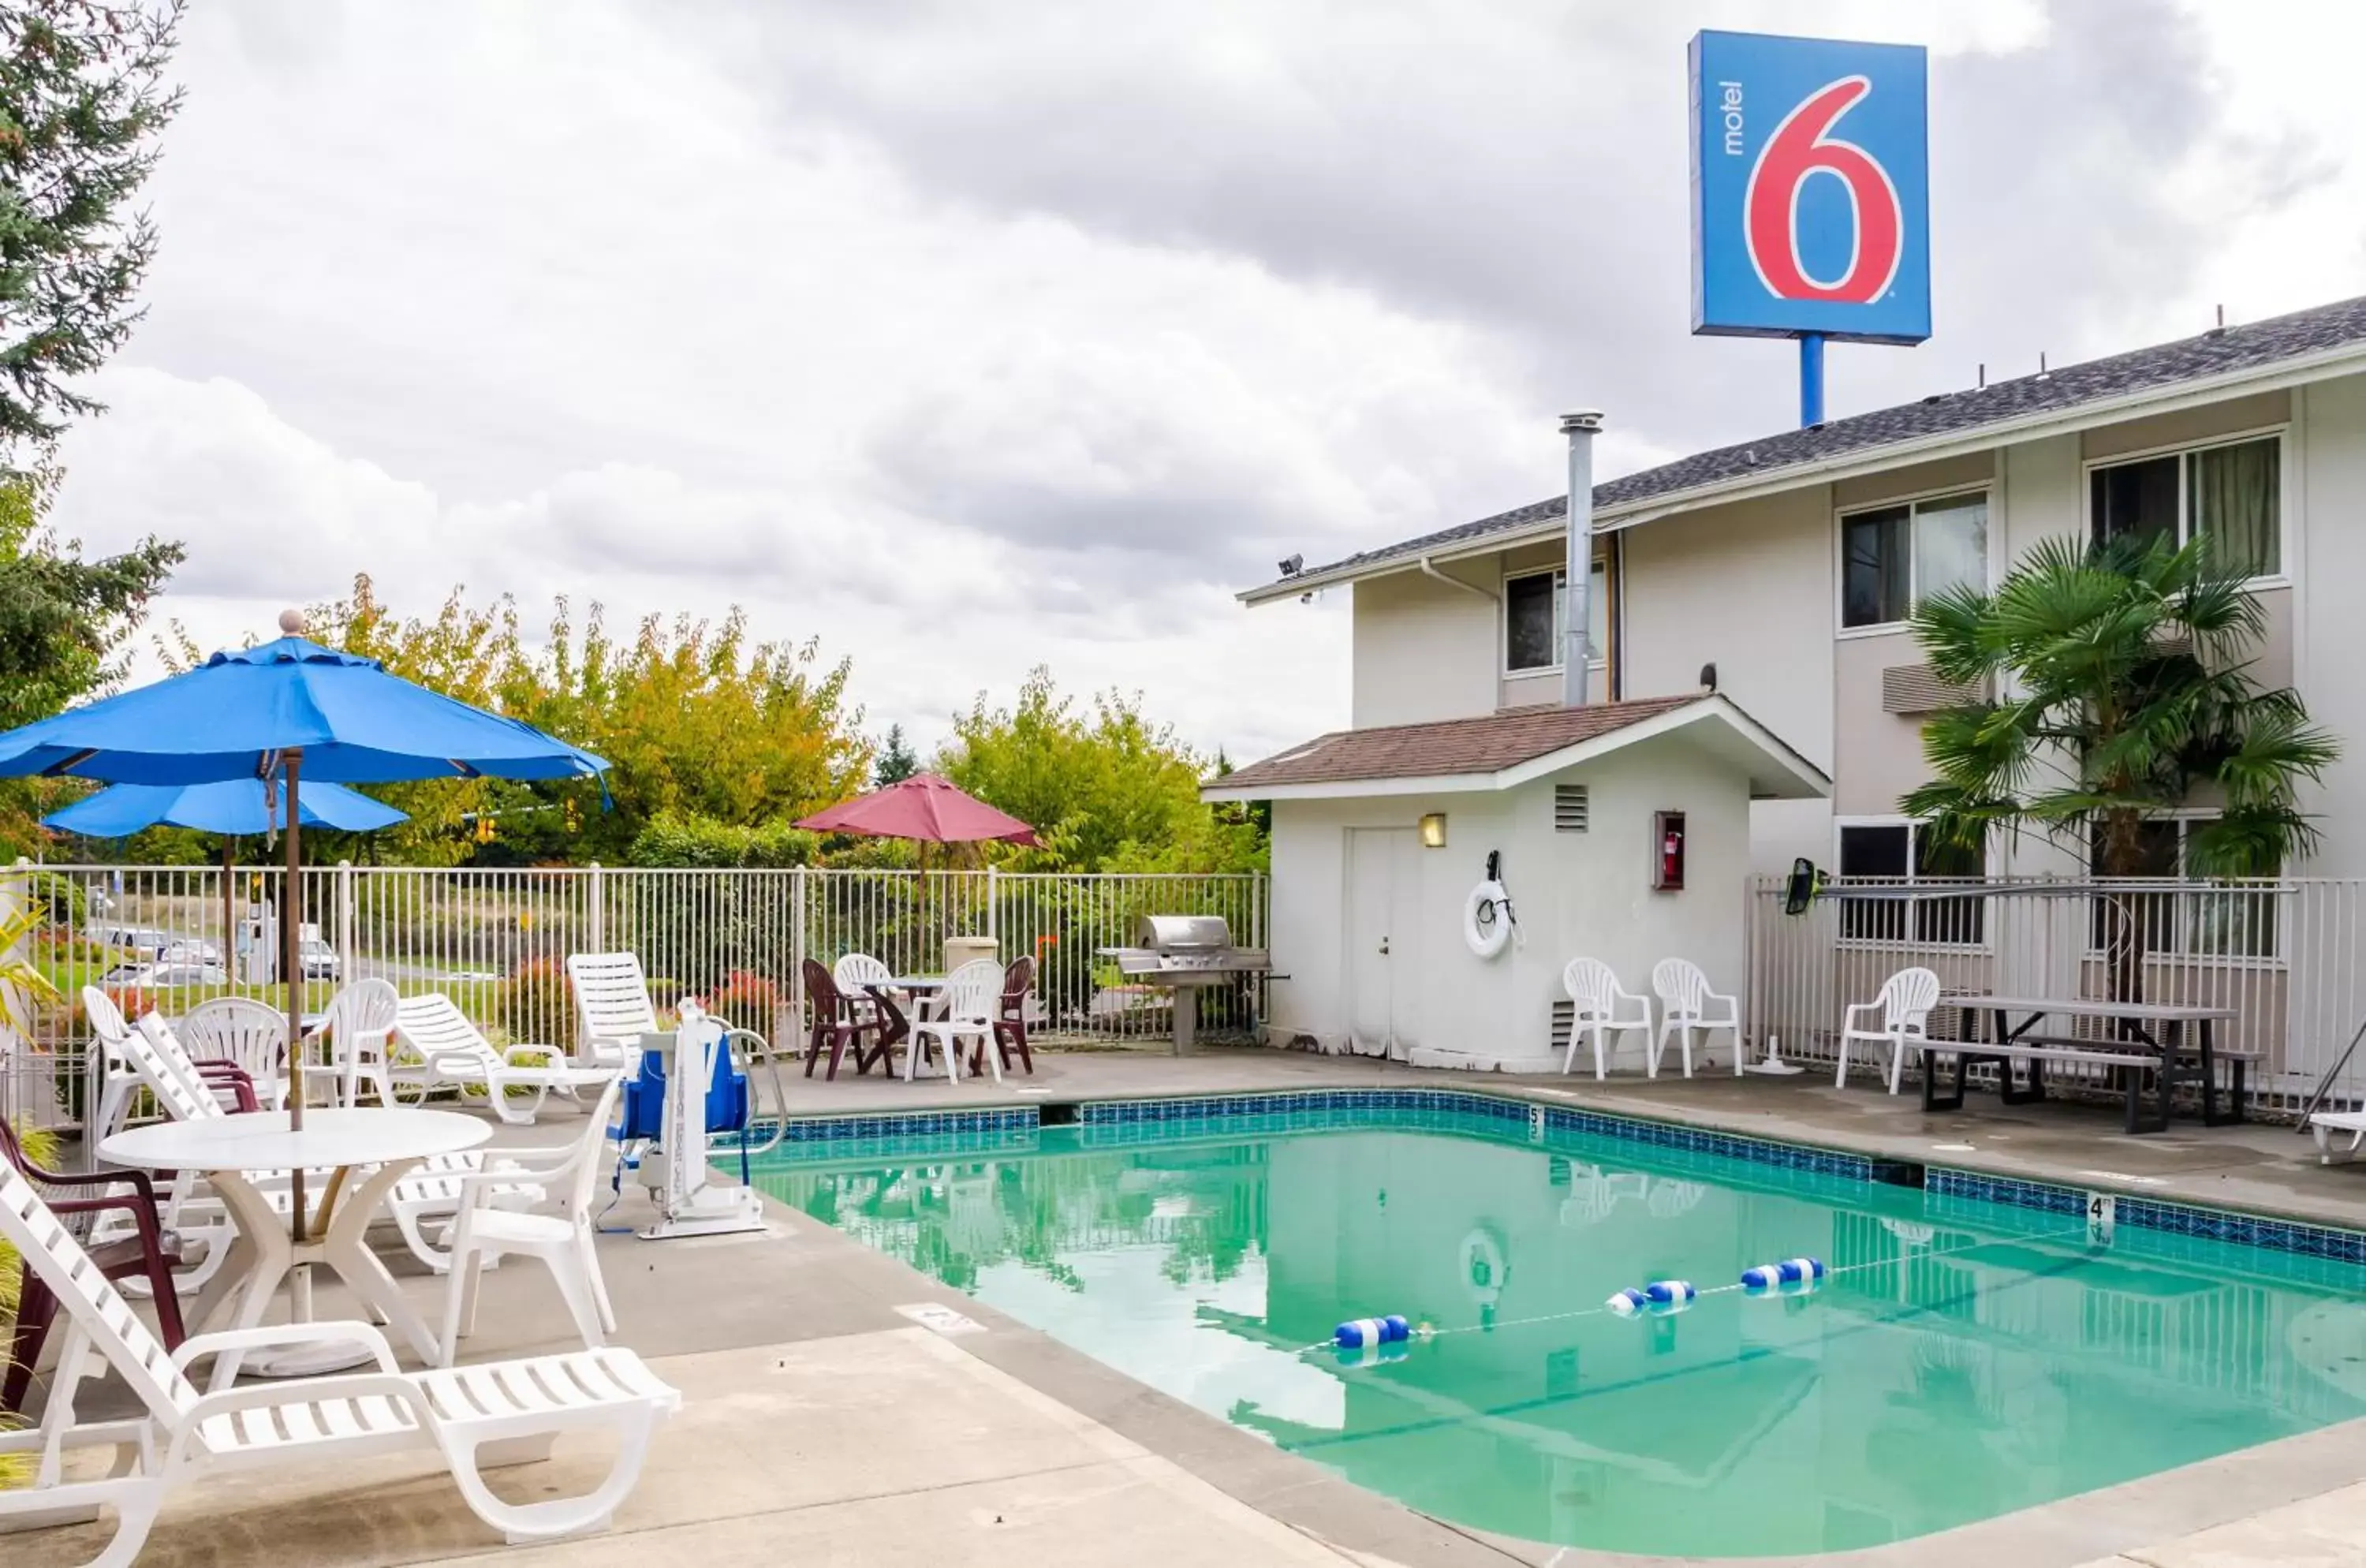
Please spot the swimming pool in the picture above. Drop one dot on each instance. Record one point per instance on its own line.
(1964, 1358)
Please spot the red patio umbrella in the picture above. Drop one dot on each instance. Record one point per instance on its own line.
(924, 807)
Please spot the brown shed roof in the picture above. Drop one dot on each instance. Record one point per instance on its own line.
(1450, 747)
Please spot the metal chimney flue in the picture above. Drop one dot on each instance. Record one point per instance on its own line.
(1581, 428)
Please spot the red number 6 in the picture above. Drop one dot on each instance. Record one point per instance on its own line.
(1802, 146)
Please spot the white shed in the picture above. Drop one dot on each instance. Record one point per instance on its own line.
(1380, 836)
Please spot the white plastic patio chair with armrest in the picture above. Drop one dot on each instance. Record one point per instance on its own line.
(1685, 1004)
(1904, 1008)
(483, 1233)
(973, 999)
(115, 1080)
(475, 1417)
(359, 1027)
(439, 1047)
(613, 1009)
(241, 1030)
(2326, 1123)
(1597, 1009)
(855, 971)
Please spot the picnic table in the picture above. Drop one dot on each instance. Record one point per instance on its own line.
(2161, 1038)
(895, 1026)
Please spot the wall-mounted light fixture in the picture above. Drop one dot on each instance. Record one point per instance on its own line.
(1433, 831)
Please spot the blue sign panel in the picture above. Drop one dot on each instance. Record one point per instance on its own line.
(1811, 189)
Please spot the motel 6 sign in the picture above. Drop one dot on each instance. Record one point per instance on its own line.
(1811, 187)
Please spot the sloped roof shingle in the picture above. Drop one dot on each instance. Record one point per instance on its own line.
(1447, 748)
(2219, 352)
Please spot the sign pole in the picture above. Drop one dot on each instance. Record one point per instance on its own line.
(1811, 380)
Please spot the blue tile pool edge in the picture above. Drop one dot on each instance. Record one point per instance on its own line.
(1015, 1127)
(2153, 1214)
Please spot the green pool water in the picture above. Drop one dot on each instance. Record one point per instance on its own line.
(1964, 1360)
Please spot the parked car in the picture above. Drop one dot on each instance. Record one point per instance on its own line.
(317, 959)
(138, 942)
(162, 977)
(188, 950)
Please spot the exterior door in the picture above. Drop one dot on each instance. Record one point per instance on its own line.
(1381, 923)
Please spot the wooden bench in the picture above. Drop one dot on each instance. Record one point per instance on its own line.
(2037, 1049)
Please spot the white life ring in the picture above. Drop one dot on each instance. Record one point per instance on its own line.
(1484, 1267)
(1487, 918)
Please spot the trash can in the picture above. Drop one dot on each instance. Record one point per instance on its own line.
(961, 950)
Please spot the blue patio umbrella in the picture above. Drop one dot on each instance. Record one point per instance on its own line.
(234, 807)
(284, 711)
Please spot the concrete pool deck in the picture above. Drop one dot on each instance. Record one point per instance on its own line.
(822, 1424)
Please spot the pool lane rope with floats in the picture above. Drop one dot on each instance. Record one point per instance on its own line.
(1367, 1341)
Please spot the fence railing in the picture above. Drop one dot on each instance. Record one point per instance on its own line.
(497, 943)
(2281, 954)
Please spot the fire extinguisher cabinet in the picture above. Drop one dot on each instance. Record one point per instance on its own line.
(1668, 851)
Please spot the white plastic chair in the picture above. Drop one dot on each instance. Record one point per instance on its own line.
(1904, 1004)
(854, 971)
(1685, 1004)
(360, 1026)
(1595, 996)
(613, 1010)
(116, 1081)
(500, 1413)
(483, 1233)
(973, 996)
(442, 1047)
(247, 1032)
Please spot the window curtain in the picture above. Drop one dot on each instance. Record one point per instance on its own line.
(2235, 491)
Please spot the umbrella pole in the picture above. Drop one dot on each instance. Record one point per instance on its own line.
(230, 908)
(291, 918)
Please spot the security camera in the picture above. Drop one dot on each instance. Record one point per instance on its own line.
(1292, 567)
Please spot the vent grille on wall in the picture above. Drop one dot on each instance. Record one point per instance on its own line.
(1572, 808)
(1563, 1012)
(1916, 688)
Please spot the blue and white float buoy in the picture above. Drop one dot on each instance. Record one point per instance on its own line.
(1790, 1271)
(1361, 1333)
(1629, 1301)
(1669, 1293)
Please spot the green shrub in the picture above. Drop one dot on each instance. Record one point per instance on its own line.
(537, 1003)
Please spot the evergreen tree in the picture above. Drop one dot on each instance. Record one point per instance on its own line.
(82, 101)
(896, 761)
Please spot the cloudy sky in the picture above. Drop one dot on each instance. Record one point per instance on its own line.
(966, 337)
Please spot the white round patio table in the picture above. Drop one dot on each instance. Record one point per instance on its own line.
(238, 1153)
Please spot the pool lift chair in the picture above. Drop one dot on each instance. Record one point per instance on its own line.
(671, 1125)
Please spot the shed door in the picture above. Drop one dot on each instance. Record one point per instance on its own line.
(1382, 926)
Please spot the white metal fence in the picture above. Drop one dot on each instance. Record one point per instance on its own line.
(2281, 953)
(497, 943)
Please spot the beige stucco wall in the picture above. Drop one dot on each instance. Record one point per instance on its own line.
(1423, 650)
(1575, 894)
(1750, 587)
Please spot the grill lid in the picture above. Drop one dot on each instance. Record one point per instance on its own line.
(1183, 933)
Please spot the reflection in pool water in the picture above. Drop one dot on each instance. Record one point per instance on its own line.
(1964, 1360)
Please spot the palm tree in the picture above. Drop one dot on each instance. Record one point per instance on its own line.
(2122, 688)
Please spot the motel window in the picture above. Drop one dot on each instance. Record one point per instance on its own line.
(1535, 613)
(1895, 557)
(2232, 494)
(1907, 853)
(2233, 921)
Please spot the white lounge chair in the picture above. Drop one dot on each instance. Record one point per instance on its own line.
(494, 1414)
(1904, 1005)
(1596, 1009)
(243, 1031)
(438, 1046)
(611, 1007)
(483, 1233)
(2325, 1123)
(972, 997)
(1685, 1004)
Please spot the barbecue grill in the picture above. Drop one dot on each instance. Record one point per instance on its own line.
(1185, 954)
